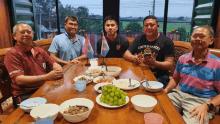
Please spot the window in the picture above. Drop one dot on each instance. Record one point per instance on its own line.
(132, 14)
(179, 19)
(89, 14)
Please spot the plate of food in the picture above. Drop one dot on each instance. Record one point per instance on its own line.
(98, 87)
(112, 97)
(110, 106)
(84, 77)
(124, 84)
(106, 79)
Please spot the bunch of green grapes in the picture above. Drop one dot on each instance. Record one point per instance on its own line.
(113, 96)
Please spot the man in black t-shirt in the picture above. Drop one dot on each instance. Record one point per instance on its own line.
(117, 44)
(159, 48)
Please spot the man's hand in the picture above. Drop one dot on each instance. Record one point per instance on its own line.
(137, 59)
(54, 75)
(201, 112)
(75, 61)
(151, 61)
(56, 66)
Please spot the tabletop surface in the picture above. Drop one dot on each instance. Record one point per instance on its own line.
(61, 90)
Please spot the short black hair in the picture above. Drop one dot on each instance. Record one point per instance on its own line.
(151, 17)
(110, 17)
(72, 18)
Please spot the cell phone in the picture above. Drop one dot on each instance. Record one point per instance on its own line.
(147, 55)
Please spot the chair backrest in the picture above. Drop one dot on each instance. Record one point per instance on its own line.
(44, 44)
(180, 48)
(130, 40)
(5, 80)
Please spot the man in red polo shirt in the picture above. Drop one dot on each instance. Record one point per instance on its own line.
(26, 65)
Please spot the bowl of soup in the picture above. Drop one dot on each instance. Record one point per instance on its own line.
(77, 109)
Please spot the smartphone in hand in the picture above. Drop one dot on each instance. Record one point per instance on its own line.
(147, 55)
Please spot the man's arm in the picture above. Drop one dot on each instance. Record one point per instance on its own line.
(132, 58)
(57, 66)
(171, 85)
(165, 65)
(77, 60)
(58, 60)
(82, 57)
(33, 81)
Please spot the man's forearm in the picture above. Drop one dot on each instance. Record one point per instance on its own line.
(82, 57)
(56, 66)
(171, 85)
(166, 65)
(30, 81)
(58, 60)
(129, 57)
(216, 101)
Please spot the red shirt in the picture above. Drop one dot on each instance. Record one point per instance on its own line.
(19, 61)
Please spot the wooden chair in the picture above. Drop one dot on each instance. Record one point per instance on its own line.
(5, 80)
(5, 87)
(130, 40)
(45, 44)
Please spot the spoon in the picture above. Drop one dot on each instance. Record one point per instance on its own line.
(29, 107)
(106, 67)
(130, 83)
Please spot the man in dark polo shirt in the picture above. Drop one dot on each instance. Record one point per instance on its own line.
(117, 44)
(26, 65)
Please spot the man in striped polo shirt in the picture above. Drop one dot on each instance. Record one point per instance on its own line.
(198, 75)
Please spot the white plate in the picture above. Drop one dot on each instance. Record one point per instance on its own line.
(96, 87)
(32, 102)
(108, 106)
(133, 82)
(87, 78)
(97, 78)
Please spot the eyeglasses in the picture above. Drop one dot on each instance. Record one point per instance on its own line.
(200, 37)
(72, 24)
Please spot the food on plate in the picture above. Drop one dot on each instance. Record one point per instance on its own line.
(122, 84)
(153, 87)
(101, 87)
(82, 78)
(106, 80)
(96, 72)
(113, 96)
(77, 109)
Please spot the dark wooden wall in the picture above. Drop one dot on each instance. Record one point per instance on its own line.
(5, 28)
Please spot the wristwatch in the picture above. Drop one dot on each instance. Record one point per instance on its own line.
(210, 105)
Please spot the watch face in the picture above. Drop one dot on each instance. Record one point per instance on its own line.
(211, 106)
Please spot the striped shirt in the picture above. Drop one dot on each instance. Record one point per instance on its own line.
(203, 79)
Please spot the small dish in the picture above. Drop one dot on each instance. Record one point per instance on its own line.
(96, 87)
(94, 72)
(88, 78)
(157, 86)
(31, 103)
